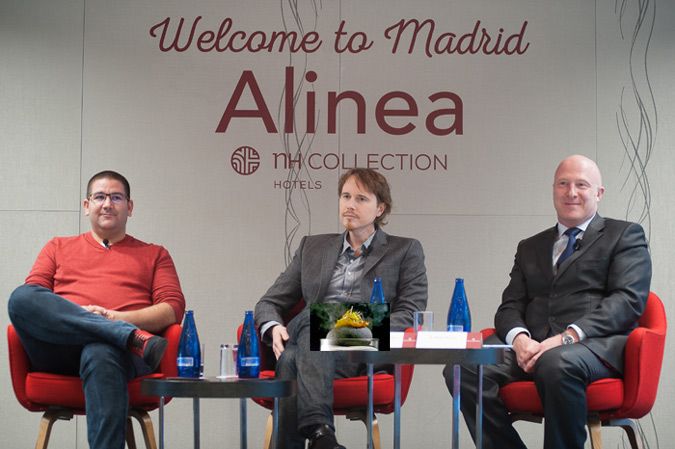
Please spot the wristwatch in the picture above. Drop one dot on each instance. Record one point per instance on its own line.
(567, 338)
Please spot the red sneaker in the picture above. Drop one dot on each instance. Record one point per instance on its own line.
(147, 346)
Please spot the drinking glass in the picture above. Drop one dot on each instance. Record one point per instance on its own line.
(201, 361)
(228, 361)
(424, 321)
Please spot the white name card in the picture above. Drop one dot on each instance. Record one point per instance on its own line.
(396, 340)
(441, 340)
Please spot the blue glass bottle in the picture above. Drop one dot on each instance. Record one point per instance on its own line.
(248, 356)
(377, 296)
(459, 315)
(189, 351)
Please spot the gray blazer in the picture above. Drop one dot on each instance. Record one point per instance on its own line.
(399, 261)
(602, 287)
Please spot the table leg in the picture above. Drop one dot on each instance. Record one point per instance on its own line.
(195, 413)
(242, 423)
(161, 422)
(479, 409)
(370, 406)
(275, 424)
(455, 406)
(397, 406)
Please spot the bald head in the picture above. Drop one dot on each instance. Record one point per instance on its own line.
(577, 190)
(581, 164)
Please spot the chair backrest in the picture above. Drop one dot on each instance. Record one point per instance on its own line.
(19, 367)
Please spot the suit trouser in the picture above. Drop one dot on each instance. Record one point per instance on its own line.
(61, 337)
(561, 375)
(314, 372)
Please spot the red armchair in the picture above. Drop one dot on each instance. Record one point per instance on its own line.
(61, 397)
(350, 394)
(611, 402)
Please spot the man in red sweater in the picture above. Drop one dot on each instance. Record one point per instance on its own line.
(92, 304)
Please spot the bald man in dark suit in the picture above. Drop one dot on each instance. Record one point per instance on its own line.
(576, 291)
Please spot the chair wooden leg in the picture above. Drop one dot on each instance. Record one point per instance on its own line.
(376, 434)
(595, 430)
(148, 429)
(268, 432)
(48, 419)
(131, 439)
(360, 415)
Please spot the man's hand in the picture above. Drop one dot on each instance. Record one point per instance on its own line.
(98, 310)
(542, 347)
(279, 339)
(525, 349)
(153, 319)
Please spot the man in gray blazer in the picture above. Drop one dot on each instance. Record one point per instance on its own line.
(337, 267)
(576, 291)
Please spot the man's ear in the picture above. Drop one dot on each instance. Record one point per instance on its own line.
(601, 192)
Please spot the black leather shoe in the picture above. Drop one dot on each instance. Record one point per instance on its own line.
(324, 438)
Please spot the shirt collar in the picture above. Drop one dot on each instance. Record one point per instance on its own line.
(562, 228)
(364, 247)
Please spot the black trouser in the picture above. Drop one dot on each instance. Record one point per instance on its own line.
(314, 372)
(561, 375)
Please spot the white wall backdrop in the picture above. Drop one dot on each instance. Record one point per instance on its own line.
(92, 85)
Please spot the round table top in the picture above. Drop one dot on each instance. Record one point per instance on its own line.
(214, 387)
(426, 356)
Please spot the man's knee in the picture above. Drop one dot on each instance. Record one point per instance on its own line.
(20, 301)
(556, 365)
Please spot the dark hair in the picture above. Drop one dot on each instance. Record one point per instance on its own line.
(109, 174)
(373, 182)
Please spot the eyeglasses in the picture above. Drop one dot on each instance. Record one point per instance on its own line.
(99, 198)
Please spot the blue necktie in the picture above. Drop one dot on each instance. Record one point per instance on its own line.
(571, 233)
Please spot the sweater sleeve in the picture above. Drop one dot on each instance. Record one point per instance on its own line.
(44, 268)
(166, 286)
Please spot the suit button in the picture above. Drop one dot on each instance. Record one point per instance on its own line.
(552, 319)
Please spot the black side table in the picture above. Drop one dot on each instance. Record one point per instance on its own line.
(213, 387)
(484, 356)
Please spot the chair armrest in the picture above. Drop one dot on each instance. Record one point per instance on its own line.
(643, 358)
(488, 332)
(167, 365)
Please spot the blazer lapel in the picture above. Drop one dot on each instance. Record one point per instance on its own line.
(591, 235)
(329, 259)
(545, 256)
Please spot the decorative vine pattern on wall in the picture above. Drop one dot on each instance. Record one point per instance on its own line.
(636, 117)
(637, 124)
(296, 144)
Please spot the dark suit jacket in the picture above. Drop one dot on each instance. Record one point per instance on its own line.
(399, 261)
(602, 287)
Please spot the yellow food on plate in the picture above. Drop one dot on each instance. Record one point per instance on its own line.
(351, 319)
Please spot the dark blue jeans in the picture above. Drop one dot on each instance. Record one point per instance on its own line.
(61, 337)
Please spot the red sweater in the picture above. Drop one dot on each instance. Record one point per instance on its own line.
(130, 275)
